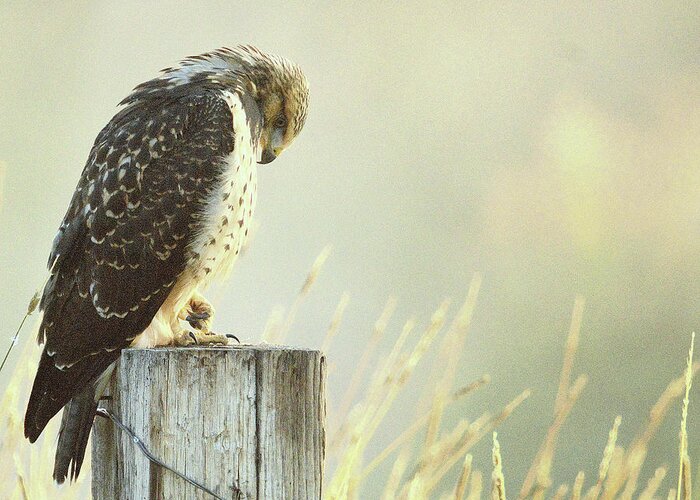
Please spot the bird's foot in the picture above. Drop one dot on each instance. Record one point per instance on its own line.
(199, 313)
(199, 338)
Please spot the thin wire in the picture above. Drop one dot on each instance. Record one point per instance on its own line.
(33, 303)
(30, 309)
(103, 412)
(13, 342)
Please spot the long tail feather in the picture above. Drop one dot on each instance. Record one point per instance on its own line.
(76, 425)
(73, 436)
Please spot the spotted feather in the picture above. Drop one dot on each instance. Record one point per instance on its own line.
(162, 206)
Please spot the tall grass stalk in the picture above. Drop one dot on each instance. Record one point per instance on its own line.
(498, 482)
(684, 479)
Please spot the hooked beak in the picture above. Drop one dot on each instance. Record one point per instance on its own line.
(267, 156)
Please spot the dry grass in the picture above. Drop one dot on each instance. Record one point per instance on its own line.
(538, 476)
(427, 453)
(27, 469)
(276, 332)
(441, 450)
(653, 484)
(461, 487)
(684, 472)
(498, 482)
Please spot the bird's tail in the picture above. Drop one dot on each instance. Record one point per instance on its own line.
(78, 415)
(76, 424)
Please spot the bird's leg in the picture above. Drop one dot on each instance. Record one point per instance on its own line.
(185, 338)
(181, 337)
(199, 313)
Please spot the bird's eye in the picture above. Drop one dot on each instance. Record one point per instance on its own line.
(281, 122)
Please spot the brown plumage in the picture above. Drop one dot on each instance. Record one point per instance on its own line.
(163, 205)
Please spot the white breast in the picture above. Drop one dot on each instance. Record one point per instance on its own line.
(221, 233)
(229, 209)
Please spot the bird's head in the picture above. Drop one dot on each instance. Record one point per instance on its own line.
(275, 87)
(281, 91)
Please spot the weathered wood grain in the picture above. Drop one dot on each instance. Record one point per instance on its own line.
(249, 417)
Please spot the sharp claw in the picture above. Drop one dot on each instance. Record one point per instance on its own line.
(197, 316)
(232, 336)
(192, 336)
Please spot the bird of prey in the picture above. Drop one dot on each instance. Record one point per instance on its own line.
(162, 207)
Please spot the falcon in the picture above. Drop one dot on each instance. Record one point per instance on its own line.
(163, 206)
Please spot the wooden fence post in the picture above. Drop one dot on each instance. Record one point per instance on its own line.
(249, 417)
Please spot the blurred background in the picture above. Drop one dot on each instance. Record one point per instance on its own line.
(554, 148)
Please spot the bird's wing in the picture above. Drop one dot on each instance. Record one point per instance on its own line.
(136, 207)
(123, 241)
